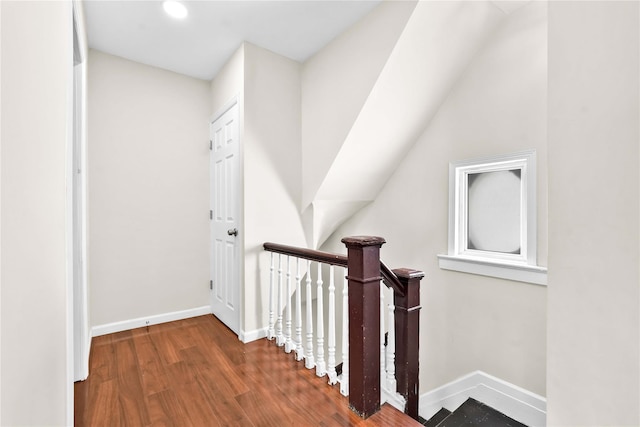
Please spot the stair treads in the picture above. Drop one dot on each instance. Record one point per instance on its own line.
(474, 413)
(437, 418)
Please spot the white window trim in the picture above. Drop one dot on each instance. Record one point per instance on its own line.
(519, 267)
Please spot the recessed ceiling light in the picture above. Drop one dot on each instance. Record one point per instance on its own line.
(175, 9)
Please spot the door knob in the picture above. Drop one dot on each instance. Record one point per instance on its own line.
(232, 232)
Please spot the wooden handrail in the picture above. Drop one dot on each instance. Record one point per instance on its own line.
(391, 280)
(310, 254)
(389, 277)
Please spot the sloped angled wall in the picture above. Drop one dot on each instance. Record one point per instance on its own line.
(433, 50)
(336, 83)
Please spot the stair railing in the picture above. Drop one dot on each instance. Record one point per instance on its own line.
(363, 314)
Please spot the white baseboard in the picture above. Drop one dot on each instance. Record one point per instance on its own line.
(392, 398)
(125, 325)
(256, 334)
(513, 401)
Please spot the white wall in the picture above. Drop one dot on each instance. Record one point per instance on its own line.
(471, 322)
(594, 281)
(229, 83)
(36, 77)
(272, 169)
(148, 190)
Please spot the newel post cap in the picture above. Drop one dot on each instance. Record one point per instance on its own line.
(408, 273)
(362, 241)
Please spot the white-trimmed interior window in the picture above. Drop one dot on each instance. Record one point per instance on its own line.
(492, 218)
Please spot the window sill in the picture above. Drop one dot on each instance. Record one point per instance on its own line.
(518, 272)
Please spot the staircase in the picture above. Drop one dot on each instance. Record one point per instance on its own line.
(356, 322)
(471, 413)
(362, 336)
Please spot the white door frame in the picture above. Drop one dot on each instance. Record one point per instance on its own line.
(237, 99)
(76, 168)
(77, 319)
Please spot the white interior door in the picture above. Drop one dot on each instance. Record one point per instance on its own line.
(225, 233)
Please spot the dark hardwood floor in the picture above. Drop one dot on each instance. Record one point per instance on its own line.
(195, 372)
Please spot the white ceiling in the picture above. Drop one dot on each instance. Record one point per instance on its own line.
(200, 44)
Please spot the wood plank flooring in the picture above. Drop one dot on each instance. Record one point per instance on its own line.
(195, 372)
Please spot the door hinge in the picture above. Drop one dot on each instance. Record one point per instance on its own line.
(210, 144)
(211, 284)
(210, 214)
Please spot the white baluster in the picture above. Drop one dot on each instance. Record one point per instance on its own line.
(344, 382)
(321, 368)
(391, 351)
(309, 363)
(279, 334)
(383, 374)
(272, 319)
(331, 348)
(288, 346)
(298, 339)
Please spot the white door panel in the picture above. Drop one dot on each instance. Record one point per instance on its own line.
(224, 219)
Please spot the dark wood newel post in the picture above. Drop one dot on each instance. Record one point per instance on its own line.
(363, 273)
(407, 314)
